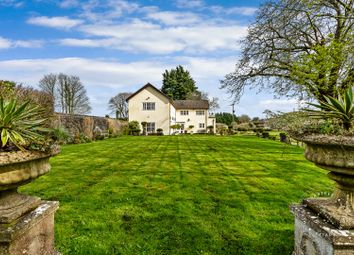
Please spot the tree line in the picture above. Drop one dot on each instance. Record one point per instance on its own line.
(70, 95)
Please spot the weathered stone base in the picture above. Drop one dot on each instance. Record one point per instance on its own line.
(32, 234)
(315, 236)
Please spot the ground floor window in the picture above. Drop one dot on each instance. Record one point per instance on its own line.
(150, 127)
(201, 125)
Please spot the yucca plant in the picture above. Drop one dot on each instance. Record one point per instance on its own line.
(340, 108)
(20, 124)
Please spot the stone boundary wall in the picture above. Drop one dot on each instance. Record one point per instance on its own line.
(84, 124)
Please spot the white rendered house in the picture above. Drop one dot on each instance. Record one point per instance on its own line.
(150, 105)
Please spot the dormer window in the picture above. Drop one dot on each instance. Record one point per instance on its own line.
(149, 106)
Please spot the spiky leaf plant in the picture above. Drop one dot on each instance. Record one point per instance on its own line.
(20, 124)
(340, 108)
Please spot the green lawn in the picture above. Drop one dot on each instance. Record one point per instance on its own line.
(178, 195)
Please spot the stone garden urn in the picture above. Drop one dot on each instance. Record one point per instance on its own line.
(336, 155)
(325, 226)
(26, 222)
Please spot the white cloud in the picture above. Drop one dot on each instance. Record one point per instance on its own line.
(28, 44)
(246, 11)
(61, 22)
(106, 11)
(284, 105)
(140, 36)
(11, 3)
(68, 3)
(7, 43)
(174, 18)
(189, 3)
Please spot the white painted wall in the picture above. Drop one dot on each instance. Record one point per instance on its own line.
(159, 115)
(192, 119)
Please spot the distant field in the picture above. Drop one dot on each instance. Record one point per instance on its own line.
(178, 195)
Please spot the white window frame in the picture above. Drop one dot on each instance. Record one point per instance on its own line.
(184, 112)
(150, 127)
(201, 125)
(200, 112)
(149, 106)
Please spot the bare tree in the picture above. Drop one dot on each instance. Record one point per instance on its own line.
(214, 104)
(68, 91)
(299, 48)
(118, 105)
(48, 83)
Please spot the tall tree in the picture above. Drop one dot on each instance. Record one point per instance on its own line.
(118, 105)
(298, 48)
(225, 117)
(178, 83)
(69, 93)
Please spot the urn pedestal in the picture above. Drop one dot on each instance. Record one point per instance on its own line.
(325, 226)
(26, 222)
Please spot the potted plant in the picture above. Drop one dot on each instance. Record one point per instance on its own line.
(24, 155)
(330, 145)
(26, 222)
(159, 131)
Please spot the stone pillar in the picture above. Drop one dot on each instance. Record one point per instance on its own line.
(32, 233)
(316, 236)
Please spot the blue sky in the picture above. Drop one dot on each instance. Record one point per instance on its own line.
(119, 45)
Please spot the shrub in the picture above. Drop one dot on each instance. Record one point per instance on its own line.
(134, 128)
(176, 126)
(61, 135)
(265, 135)
(341, 109)
(20, 125)
(283, 137)
(82, 138)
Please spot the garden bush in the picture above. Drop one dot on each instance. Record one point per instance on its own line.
(134, 128)
(265, 135)
(283, 137)
(61, 135)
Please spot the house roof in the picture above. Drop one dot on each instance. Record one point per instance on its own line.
(144, 87)
(178, 104)
(191, 104)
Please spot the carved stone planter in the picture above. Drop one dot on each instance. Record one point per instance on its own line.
(336, 155)
(26, 222)
(326, 225)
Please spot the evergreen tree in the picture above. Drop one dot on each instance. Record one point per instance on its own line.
(178, 84)
(226, 118)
